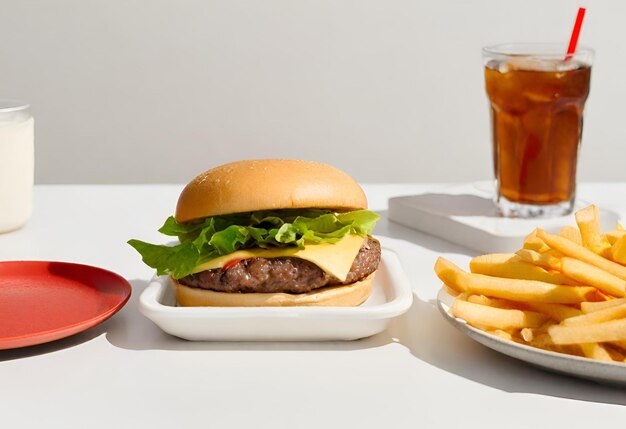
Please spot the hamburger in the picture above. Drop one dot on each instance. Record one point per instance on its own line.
(269, 233)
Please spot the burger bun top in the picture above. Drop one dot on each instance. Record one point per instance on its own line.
(268, 184)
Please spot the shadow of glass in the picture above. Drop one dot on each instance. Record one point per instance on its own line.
(430, 338)
(133, 331)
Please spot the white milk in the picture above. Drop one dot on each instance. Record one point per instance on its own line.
(16, 165)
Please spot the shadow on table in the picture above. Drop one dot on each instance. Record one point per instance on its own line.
(430, 338)
(133, 331)
(57, 345)
(453, 205)
(130, 330)
(424, 333)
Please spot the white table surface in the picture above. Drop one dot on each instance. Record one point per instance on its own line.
(125, 372)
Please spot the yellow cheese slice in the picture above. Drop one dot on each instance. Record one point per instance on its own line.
(334, 258)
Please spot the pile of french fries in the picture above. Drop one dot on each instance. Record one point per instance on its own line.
(564, 293)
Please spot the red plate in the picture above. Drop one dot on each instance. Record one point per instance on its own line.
(43, 301)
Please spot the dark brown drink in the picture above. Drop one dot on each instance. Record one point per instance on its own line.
(537, 120)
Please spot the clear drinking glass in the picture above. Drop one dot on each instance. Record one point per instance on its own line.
(537, 96)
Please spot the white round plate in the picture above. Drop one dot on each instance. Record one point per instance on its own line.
(603, 372)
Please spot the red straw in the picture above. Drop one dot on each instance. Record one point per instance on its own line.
(573, 41)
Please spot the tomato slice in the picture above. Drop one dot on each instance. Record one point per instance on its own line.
(231, 264)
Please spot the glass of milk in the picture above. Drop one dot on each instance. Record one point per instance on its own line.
(17, 163)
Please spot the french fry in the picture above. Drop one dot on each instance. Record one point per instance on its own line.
(595, 351)
(527, 334)
(497, 302)
(615, 330)
(612, 313)
(505, 335)
(621, 345)
(572, 234)
(532, 242)
(452, 292)
(486, 262)
(594, 276)
(451, 275)
(536, 244)
(589, 225)
(528, 290)
(531, 335)
(463, 296)
(590, 307)
(544, 260)
(618, 250)
(604, 296)
(491, 302)
(511, 289)
(613, 236)
(539, 339)
(573, 250)
(557, 312)
(512, 266)
(615, 353)
(496, 318)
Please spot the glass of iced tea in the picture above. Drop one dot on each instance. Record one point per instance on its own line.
(537, 97)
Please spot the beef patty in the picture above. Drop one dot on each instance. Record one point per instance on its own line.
(285, 274)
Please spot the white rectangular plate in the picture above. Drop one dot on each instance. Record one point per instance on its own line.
(391, 297)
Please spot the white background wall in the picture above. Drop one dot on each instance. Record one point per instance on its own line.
(141, 91)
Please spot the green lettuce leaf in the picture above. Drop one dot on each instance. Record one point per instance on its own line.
(206, 239)
(176, 260)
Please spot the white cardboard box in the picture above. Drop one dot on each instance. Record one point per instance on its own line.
(466, 215)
